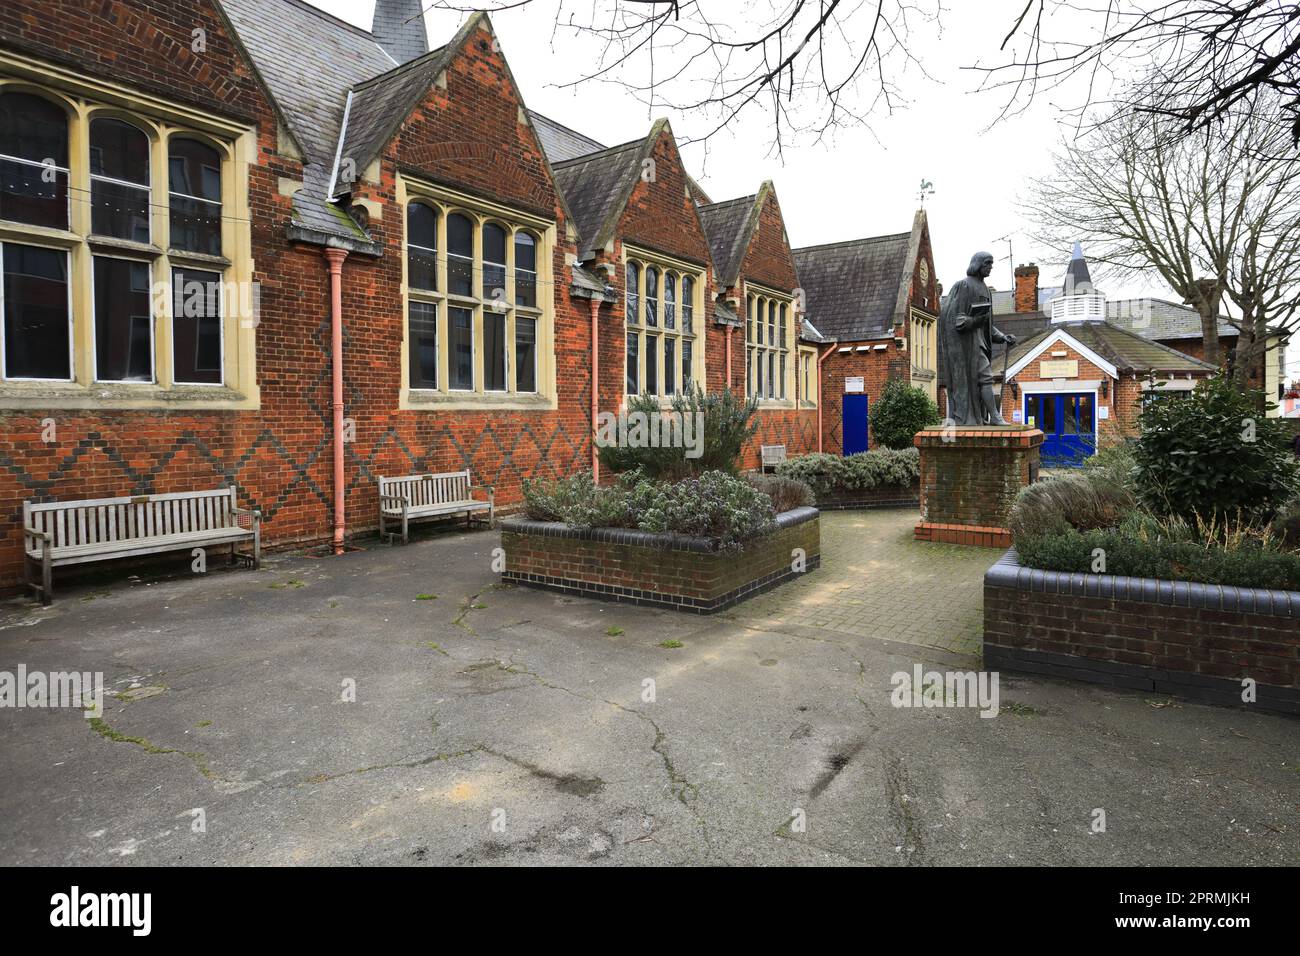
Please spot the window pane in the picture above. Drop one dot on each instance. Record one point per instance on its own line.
(36, 312)
(119, 211)
(494, 351)
(632, 278)
(771, 375)
(633, 363)
(670, 302)
(525, 355)
(758, 385)
(119, 150)
(460, 255)
(670, 366)
(421, 246)
(687, 349)
(688, 303)
(781, 328)
(771, 323)
(749, 369)
(780, 359)
(122, 321)
(194, 174)
(196, 326)
(652, 296)
(423, 355)
(494, 262)
(749, 319)
(652, 364)
(35, 190)
(461, 331)
(525, 271)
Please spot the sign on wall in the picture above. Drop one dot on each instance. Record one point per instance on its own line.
(1059, 368)
(856, 383)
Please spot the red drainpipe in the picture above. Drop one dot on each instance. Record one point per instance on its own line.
(595, 385)
(730, 329)
(335, 257)
(821, 358)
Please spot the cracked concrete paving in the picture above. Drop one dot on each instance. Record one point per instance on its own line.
(525, 713)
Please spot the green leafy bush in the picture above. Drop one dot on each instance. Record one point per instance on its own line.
(1213, 453)
(1286, 526)
(901, 411)
(1114, 463)
(1083, 501)
(726, 509)
(786, 493)
(728, 424)
(869, 469)
(1128, 550)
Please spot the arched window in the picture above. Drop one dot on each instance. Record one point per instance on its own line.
(688, 305)
(422, 247)
(670, 301)
(632, 277)
(494, 262)
(33, 161)
(194, 175)
(525, 272)
(119, 180)
(651, 296)
(460, 254)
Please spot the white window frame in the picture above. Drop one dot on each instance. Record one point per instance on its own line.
(72, 345)
(94, 325)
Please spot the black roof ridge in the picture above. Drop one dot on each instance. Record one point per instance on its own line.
(725, 202)
(585, 157)
(853, 242)
(400, 68)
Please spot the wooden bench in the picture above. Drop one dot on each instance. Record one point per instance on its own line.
(59, 533)
(431, 496)
(772, 455)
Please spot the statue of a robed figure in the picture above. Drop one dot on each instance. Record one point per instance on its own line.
(966, 337)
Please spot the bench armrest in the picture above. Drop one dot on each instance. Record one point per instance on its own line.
(32, 534)
(394, 499)
(490, 489)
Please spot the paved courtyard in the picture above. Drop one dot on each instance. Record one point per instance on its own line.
(506, 725)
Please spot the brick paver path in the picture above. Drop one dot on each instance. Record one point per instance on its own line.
(876, 581)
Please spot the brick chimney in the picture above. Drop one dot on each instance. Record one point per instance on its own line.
(1026, 296)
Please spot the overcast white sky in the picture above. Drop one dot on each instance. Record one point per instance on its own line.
(866, 181)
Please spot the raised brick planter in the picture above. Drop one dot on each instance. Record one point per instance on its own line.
(969, 479)
(666, 570)
(885, 496)
(1170, 637)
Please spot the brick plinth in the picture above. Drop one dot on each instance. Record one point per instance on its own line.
(637, 567)
(1173, 637)
(969, 479)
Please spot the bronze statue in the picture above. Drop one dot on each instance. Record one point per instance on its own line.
(966, 337)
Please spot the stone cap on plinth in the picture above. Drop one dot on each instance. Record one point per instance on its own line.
(979, 436)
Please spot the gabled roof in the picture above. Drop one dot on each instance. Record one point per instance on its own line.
(399, 28)
(1119, 348)
(559, 142)
(597, 186)
(381, 103)
(1159, 319)
(727, 226)
(851, 288)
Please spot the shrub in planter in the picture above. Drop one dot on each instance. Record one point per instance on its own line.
(901, 411)
(786, 493)
(1213, 453)
(715, 505)
(1114, 463)
(1080, 501)
(869, 469)
(577, 501)
(728, 424)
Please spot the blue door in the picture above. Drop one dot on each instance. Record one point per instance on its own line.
(1068, 424)
(854, 423)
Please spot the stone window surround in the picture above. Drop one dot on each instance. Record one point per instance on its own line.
(755, 293)
(84, 99)
(679, 268)
(480, 211)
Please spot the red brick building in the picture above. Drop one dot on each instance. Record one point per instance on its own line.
(188, 188)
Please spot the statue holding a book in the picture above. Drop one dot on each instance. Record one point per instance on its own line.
(966, 337)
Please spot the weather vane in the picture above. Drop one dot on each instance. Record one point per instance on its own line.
(927, 189)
